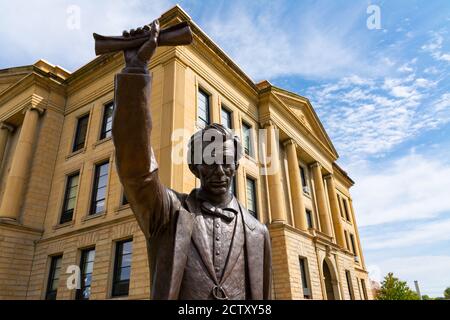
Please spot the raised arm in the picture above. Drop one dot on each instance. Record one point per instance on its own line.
(131, 131)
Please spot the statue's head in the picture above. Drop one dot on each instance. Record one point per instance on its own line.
(213, 156)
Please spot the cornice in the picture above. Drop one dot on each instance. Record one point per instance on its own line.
(93, 227)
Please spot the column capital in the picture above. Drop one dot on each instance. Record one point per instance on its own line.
(269, 123)
(34, 108)
(328, 176)
(7, 126)
(316, 164)
(289, 142)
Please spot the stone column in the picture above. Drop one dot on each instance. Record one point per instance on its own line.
(273, 171)
(295, 182)
(334, 206)
(319, 192)
(5, 130)
(20, 167)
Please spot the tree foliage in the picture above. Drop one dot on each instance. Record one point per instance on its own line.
(447, 293)
(394, 289)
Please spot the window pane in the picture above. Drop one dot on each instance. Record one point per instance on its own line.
(69, 198)
(103, 169)
(124, 200)
(203, 108)
(349, 284)
(86, 266)
(305, 283)
(53, 277)
(99, 188)
(122, 268)
(226, 118)
(251, 196)
(302, 174)
(80, 135)
(125, 273)
(247, 143)
(309, 218)
(107, 121)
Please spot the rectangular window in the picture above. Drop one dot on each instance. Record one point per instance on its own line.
(340, 206)
(247, 135)
(80, 134)
(349, 284)
(309, 218)
(86, 267)
(303, 176)
(346, 240)
(122, 268)
(99, 188)
(203, 109)
(107, 121)
(226, 116)
(251, 196)
(352, 241)
(70, 197)
(347, 216)
(53, 277)
(233, 186)
(363, 285)
(124, 199)
(305, 277)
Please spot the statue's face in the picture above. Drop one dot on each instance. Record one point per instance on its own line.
(216, 178)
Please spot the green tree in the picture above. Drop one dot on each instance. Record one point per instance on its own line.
(394, 289)
(426, 297)
(447, 293)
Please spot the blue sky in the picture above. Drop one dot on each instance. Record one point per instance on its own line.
(383, 96)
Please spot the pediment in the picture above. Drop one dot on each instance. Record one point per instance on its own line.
(305, 114)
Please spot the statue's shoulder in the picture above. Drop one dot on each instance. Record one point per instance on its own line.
(177, 198)
(252, 222)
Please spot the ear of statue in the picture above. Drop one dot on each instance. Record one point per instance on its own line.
(194, 170)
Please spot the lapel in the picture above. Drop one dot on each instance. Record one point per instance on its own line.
(200, 234)
(184, 227)
(254, 247)
(236, 246)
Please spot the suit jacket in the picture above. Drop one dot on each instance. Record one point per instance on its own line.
(165, 216)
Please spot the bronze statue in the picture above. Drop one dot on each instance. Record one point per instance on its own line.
(202, 245)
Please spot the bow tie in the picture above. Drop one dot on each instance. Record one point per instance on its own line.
(225, 213)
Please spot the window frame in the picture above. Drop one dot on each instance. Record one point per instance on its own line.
(348, 277)
(118, 268)
(51, 276)
(199, 121)
(103, 132)
(310, 221)
(82, 265)
(95, 187)
(251, 152)
(66, 199)
(77, 132)
(255, 195)
(304, 274)
(228, 111)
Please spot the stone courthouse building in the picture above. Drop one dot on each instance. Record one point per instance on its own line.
(62, 205)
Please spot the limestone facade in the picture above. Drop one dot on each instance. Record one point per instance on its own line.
(301, 193)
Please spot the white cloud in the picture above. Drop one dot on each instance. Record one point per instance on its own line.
(434, 47)
(322, 43)
(32, 30)
(421, 234)
(411, 188)
(369, 117)
(431, 271)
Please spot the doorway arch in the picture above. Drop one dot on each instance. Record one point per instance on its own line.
(330, 281)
